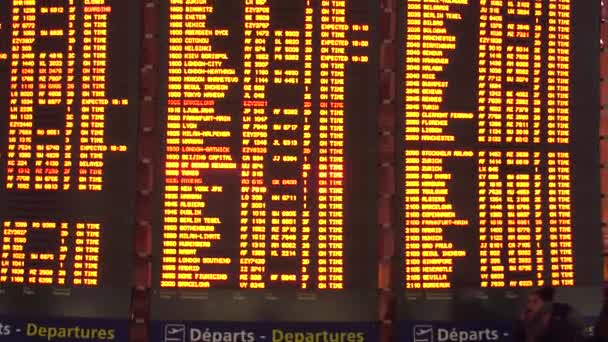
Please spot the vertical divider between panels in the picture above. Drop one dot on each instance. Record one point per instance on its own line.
(386, 164)
(148, 90)
(604, 128)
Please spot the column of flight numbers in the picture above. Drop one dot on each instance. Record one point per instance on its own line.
(21, 266)
(284, 147)
(50, 94)
(522, 76)
(524, 259)
(496, 195)
(56, 88)
(285, 151)
(254, 220)
(491, 192)
(509, 72)
(510, 219)
(12, 261)
(23, 59)
(524, 220)
(50, 85)
(491, 219)
(521, 67)
(195, 143)
(46, 267)
(490, 71)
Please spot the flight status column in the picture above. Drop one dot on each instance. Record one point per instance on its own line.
(95, 100)
(331, 144)
(258, 106)
(558, 128)
(558, 65)
(66, 84)
(561, 257)
(517, 218)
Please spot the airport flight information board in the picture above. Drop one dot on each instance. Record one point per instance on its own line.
(269, 145)
(67, 136)
(499, 180)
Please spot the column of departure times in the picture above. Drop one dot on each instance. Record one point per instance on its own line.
(286, 154)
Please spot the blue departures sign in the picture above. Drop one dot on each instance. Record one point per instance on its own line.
(62, 330)
(466, 331)
(198, 331)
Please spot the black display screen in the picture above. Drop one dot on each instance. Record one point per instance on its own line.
(500, 173)
(269, 134)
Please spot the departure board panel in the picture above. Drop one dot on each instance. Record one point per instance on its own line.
(269, 160)
(68, 75)
(499, 179)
